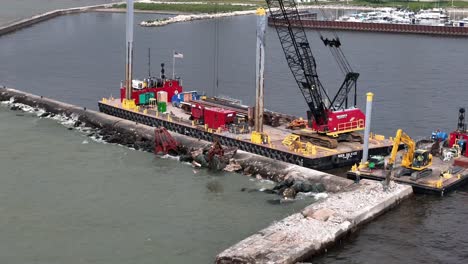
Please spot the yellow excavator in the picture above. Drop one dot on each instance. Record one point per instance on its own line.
(415, 162)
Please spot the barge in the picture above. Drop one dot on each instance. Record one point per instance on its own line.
(445, 177)
(177, 120)
(436, 166)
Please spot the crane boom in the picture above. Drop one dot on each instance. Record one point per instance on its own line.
(299, 57)
(328, 117)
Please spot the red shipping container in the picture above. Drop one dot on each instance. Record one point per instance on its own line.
(218, 117)
(197, 111)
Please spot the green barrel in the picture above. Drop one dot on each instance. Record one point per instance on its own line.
(162, 107)
(143, 99)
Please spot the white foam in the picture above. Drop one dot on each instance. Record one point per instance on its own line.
(319, 196)
(167, 156)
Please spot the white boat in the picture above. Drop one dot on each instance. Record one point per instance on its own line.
(460, 23)
(434, 13)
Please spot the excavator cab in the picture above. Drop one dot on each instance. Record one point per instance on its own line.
(421, 159)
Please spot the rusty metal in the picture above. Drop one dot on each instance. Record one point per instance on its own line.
(164, 143)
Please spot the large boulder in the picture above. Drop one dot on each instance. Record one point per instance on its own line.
(322, 214)
(289, 193)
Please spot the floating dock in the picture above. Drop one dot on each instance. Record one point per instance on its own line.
(378, 27)
(437, 183)
(176, 120)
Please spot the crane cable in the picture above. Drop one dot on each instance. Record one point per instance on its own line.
(334, 46)
(216, 53)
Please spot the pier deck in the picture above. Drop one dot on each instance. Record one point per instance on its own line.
(318, 227)
(175, 119)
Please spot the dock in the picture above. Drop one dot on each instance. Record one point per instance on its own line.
(377, 27)
(176, 120)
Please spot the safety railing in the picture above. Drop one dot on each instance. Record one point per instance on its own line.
(351, 125)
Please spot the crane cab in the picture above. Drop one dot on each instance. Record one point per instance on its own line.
(422, 159)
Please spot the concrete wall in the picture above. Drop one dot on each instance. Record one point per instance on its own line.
(42, 17)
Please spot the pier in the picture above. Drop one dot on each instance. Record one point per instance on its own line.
(378, 27)
(18, 25)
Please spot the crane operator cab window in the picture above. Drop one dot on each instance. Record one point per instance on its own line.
(421, 158)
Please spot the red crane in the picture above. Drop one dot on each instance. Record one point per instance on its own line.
(331, 120)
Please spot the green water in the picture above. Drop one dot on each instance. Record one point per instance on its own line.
(67, 199)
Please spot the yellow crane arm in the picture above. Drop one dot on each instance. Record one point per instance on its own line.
(402, 137)
(396, 144)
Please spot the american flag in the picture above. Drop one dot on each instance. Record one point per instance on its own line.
(178, 55)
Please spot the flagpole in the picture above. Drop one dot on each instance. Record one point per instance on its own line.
(173, 64)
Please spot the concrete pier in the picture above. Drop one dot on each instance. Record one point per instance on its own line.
(46, 16)
(319, 226)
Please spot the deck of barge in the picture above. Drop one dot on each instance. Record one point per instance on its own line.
(175, 119)
(434, 184)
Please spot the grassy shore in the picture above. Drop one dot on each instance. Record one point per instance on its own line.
(212, 6)
(189, 8)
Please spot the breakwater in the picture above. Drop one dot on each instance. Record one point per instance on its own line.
(46, 16)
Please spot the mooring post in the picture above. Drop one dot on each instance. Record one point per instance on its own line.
(260, 68)
(365, 150)
(129, 57)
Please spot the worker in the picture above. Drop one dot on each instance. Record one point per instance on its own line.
(419, 160)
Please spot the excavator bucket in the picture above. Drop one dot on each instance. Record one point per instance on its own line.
(164, 143)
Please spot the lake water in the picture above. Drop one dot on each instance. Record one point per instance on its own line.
(68, 199)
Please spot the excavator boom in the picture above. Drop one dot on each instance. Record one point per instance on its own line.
(414, 162)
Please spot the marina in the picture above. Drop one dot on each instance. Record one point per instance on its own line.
(391, 20)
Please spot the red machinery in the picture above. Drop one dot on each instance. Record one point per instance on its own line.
(342, 121)
(330, 117)
(460, 136)
(164, 143)
(214, 117)
(170, 86)
(154, 85)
